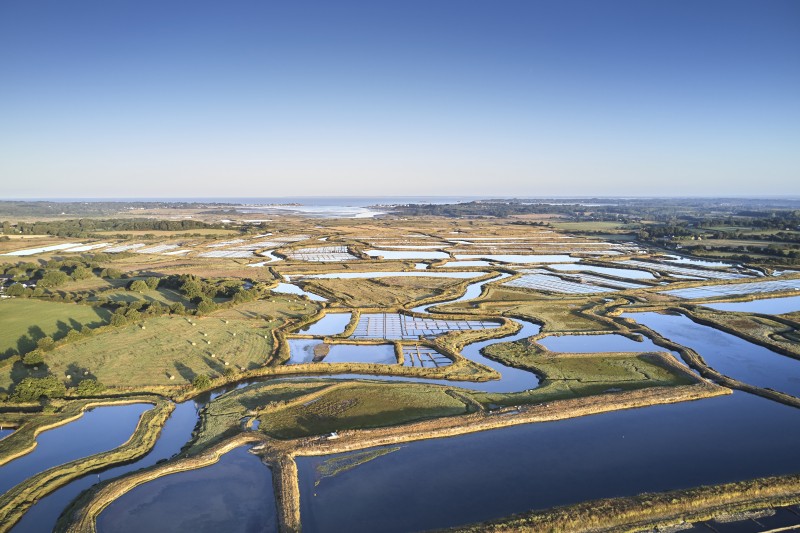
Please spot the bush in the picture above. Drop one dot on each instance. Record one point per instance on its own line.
(36, 357)
(89, 387)
(32, 389)
(16, 290)
(152, 282)
(81, 272)
(110, 273)
(53, 278)
(138, 286)
(201, 381)
(46, 344)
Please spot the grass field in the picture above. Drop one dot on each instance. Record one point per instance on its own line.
(381, 292)
(25, 321)
(290, 410)
(132, 356)
(573, 375)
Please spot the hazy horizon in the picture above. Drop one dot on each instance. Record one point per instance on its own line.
(524, 99)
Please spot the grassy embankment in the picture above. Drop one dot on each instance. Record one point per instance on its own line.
(774, 332)
(651, 511)
(19, 499)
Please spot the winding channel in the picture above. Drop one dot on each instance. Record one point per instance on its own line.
(491, 474)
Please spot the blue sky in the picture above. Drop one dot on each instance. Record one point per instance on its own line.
(518, 98)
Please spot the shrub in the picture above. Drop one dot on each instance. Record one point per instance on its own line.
(152, 282)
(138, 286)
(201, 381)
(35, 357)
(46, 344)
(16, 290)
(53, 278)
(89, 387)
(31, 389)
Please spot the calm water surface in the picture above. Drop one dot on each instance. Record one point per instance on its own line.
(447, 482)
(176, 432)
(330, 324)
(98, 430)
(233, 495)
(290, 288)
(768, 306)
(727, 353)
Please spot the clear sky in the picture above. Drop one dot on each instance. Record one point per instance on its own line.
(169, 98)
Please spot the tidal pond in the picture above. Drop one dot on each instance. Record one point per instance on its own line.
(521, 258)
(98, 430)
(487, 475)
(302, 351)
(371, 275)
(176, 432)
(618, 272)
(330, 324)
(290, 288)
(727, 353)
(767, 306)
(233, 495)
(406, 254)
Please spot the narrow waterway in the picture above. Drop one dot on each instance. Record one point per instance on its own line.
(98, 430)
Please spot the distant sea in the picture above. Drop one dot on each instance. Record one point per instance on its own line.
(311, 206)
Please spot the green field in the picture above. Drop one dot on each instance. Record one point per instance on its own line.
(25, 321)
(136, 356)
(574, 375)
(291, 410)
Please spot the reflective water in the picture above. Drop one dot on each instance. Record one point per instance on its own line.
(98, 430)
(302, 351)
(370, 275)
(232, 495)
(520, 258)
(290, 288)
(330, 324)
(176, 432)
(727, 353)
(406, 254)
(481, 476)
(769, 306)
(618, 272)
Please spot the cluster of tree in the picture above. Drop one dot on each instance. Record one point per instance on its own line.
(203, 292)
(87, 226)
(33, 389)
(12, 208)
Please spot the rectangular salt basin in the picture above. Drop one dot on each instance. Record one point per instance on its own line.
(711, 291)
(406, 254)
(302, 351)
(520, 258)
(330, 324)
(768, 306)
(43, 249)
(459, 264)
(359, 275)
(618, 272)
